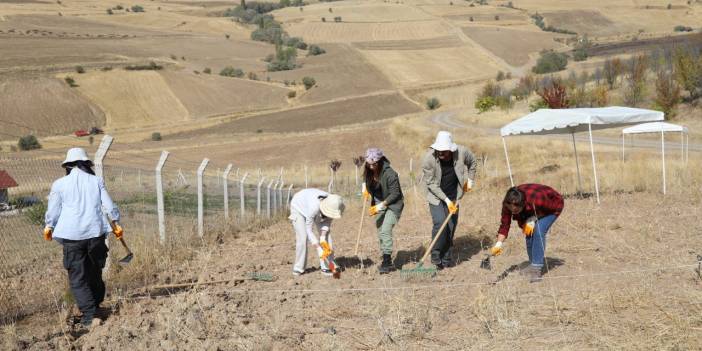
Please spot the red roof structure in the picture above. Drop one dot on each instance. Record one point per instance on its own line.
(6, 181)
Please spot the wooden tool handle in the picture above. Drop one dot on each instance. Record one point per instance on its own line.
(441, 230)
(360, 228)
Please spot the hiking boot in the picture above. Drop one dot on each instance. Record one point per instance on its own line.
(327, 273)
(386, 267)
(297, 274)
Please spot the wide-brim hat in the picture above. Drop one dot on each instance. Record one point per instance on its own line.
(332, 206)
(75, 154)
(444, 142)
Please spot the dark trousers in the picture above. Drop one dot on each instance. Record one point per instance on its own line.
(84, 261)
(441, 252)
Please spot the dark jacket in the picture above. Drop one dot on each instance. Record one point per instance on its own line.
(390, 190)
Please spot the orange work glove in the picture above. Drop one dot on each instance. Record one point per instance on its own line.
(497, 249)
(529, 226)
(364, 191)
(117, 229)
(326, 250)
(48, 231)
(374, 210)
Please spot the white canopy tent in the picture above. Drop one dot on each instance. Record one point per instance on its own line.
(660, 127)
(571, 121)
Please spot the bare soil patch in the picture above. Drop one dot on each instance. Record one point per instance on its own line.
(320, 32)
(513, 46)
(44, 106)
(590, 22)
(325, 115)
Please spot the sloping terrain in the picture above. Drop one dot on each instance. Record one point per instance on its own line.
(512, 45)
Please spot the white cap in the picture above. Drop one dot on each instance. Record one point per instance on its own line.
(75, 154)
(332, 206)
(444, 142)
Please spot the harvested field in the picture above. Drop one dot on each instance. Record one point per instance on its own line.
(419, 44)
(325, 115)
(513, 46)
(590, 22)
(319, 32)
(133, 99)
(342, 71)
(180, 22)
(44, 106)
(489, 17)
(71, 27)
(208, 95)
(353, 12)
(416, 67)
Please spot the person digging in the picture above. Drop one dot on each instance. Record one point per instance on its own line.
(535, 207)
(382, 186)
(74, 219)
(449, 170)
(309, 208)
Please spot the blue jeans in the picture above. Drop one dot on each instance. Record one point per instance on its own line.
(536, 243)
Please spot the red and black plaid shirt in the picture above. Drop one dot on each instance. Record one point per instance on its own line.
(540, 199)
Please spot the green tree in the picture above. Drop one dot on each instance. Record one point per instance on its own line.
(230, 71)
(433, 103)
(309, 82)
(28, 142)
(550, 61)
(667, 94)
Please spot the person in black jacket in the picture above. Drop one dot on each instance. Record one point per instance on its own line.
(382, 186)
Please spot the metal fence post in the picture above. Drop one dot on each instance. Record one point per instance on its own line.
(274, 197)
(200, 202)
(287, 202)
(242, 196)
(268, 199)
(159, 198)
(225, 181)
(280, 196)
(258, 196)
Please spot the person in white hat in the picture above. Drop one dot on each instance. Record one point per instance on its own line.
(309, 208)
(449, 171)
(74, 218)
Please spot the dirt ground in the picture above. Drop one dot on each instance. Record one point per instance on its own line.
(612, 280)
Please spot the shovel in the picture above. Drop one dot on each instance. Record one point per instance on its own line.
(128, 258)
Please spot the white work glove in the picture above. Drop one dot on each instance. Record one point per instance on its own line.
(452, 208)
(529, 226)
(468, 185)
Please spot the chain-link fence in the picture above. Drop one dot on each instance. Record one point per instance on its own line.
(32, 277)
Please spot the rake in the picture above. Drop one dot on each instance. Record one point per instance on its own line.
(419, 270)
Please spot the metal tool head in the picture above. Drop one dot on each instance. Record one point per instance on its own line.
(126, 259)
(419, 272)
(485, 263)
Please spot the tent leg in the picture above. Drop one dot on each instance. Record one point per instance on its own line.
(577, 164)
(594, 167)
(509, 168)
(682, 146)
(663, 157)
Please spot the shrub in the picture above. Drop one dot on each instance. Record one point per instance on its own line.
(207, 70)
(667, 94)
(309, 82)
(70, 81)
(669, 7)
(269, 58)
(550, 61)
(252, 76)
(688, 71)
(471, 18)
(504, 101)
(174, 57)
(554, 94)
(109, 11)
(636, 76)
(537, 105)
(106, 68)
(682, 29)
(599, 96)
(119, 7)
(324, 19)
(524, 88)
(226, 36)
(230, 71)
(156, 136)
(497, 17)
(292, 94)
(315, 50)
(485, 104)
(28, 142)
(295, 42)
(80, 69)
(34, 213)
(433, 103)
(137, 8)
(337, 19)
(500, 76)
(285, 58)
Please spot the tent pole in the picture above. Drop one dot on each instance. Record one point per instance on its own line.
(682, 146)
(687, 147)
(594, 167)
(622, 146)
(577, 164)
(663, 157)
(509, 168)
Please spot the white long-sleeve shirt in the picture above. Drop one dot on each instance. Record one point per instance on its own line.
(306, 203)
(75, 207)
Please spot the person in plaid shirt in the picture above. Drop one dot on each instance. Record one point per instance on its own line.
(535, 207)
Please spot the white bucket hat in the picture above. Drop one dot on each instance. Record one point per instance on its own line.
(75, 154)
(332, 206)
(444, 142)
